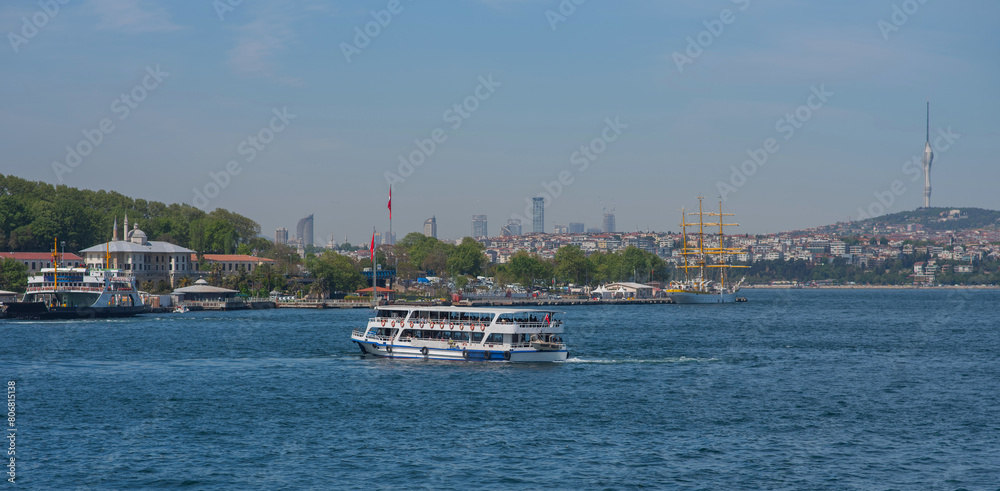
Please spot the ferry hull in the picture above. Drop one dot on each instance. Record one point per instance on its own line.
(701, 298)
(459, 353)
(39, 311)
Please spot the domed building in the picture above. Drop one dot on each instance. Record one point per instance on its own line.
(148, 260)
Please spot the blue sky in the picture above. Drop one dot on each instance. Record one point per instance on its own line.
(679, 132)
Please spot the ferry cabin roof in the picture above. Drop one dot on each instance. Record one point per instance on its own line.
(462, 313)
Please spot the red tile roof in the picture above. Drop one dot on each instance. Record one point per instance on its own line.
(38, 256)
(233, 257)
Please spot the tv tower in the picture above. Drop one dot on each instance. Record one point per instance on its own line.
(928, 159)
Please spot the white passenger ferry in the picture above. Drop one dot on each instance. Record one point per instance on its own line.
(463, 333)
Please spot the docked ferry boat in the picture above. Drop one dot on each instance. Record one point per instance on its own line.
(74, 293)
(463, 333)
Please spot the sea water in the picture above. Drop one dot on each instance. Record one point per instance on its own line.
(804, 389)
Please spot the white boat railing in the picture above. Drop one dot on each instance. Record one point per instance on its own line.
(374, 337)
(437, 324)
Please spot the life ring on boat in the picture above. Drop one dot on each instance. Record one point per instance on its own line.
(465, 354)
(411, 323)
(393, 323)
(486, 355)
(460, 328)
(452, 325)
(506, 355)
(383, 322)
(482, 327)
(424, 351)
(388, 348)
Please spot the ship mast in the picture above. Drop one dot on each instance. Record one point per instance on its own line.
(55, 264)
(718, 251)
(701, 240)
(684, 245)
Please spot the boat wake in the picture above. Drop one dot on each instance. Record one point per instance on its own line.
(682, 359)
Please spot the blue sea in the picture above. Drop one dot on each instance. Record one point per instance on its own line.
(796, 389)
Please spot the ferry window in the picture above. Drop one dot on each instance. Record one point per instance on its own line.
(495, 338)
(477, 337)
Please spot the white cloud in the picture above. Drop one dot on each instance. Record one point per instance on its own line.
(133, 16)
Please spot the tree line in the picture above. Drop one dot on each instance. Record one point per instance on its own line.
(32, 213)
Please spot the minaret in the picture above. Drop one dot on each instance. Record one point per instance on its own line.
(125, 228)
(114, 235)
(928, 159)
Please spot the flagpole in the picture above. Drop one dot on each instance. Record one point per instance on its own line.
(391, 241)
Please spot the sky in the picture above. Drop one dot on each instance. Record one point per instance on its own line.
(795, 114)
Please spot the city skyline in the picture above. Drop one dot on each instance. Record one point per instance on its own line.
(269, 110)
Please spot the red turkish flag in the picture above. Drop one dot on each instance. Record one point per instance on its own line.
(390, 203)
(373, 249)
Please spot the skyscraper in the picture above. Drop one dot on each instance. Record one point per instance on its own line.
(608, 225)
(479, 226)
(928, 159)
(304, 231)
(512, 228)
(281, 235)
(575, 228)
(560, 229)
(538, 215)
(431, 227)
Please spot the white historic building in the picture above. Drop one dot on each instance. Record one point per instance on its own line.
(148, 260)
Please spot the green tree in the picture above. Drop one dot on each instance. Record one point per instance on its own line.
(467, 258)
(13, 275)
(338, 271)
(572, 265)
(528, 269)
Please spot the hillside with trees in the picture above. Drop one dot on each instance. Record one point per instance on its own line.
(929, 218)
(32, 213)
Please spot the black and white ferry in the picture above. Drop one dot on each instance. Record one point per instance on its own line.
(77, 293)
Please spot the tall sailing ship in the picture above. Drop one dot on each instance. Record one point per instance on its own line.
(706, 266)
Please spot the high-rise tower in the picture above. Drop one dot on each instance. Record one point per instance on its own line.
(928, 159)
(304, 230)
(479, 226)
(431, 227)
(538, 215)
(608, 223)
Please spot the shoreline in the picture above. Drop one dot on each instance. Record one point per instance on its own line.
(870, 287)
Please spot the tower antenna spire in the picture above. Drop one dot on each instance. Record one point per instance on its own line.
(928, 159)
